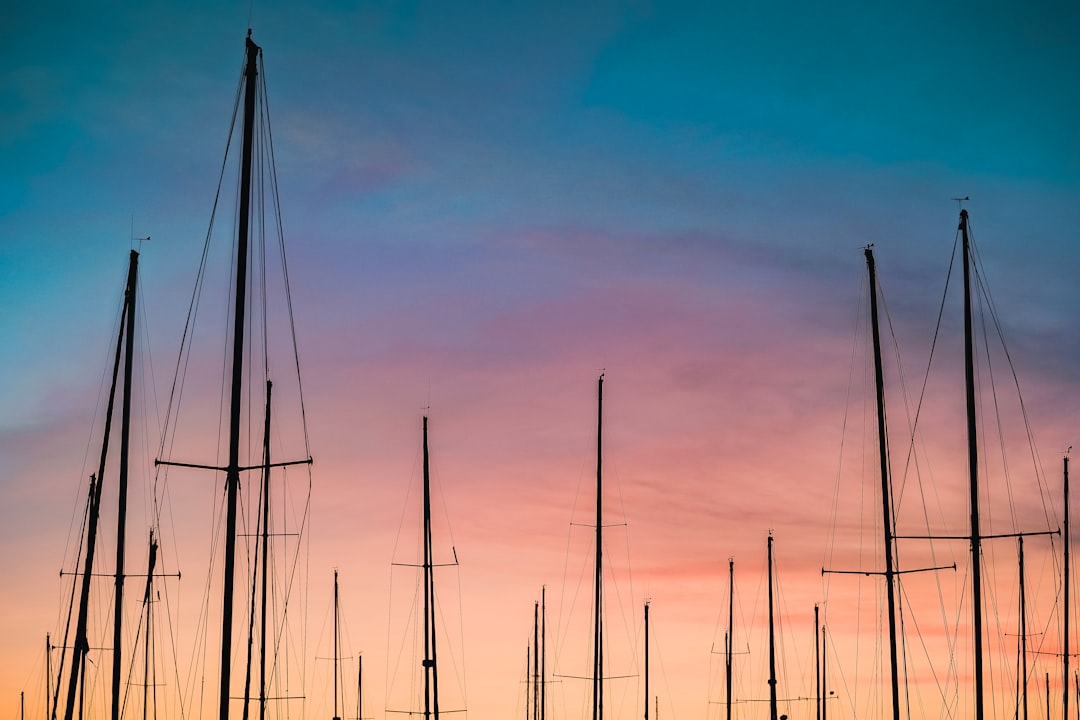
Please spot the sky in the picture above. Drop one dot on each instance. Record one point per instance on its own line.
(485, 205)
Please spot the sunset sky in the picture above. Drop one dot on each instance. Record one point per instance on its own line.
(485, 205)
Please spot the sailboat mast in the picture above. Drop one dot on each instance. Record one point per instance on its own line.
(431, 678)
(265, 553)
(824, 667)
(886, 485)
(730, 639)
(543, 651)
(973, 471)
(536, 662)
(122, 483)
(337, 647)
(1065, 649)
(48, 677)
(598, 626)
(772, 641)
(1023, 628)
(817, 661)
(148, 601)
(232, 472)
(82, 645)
(646, 660)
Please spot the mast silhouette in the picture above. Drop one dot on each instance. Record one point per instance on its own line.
(148, 602)
(122, 482)
(359, 686)
(265, 554)
(337, 648)
(431, 676)
(886, 486)
(1022, 675)
(772, 640)
(730, 638)
(598, 618)
(536, 661)
(1065, 649)
(973, 471)
(824, 667)
(646, 660)
(543, 652)
(232, 471)
(817, 661)
(82, 645)
(48, 679)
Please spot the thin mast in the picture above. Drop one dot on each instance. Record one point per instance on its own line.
(82, 645)
(148, 600)
(646, 660)
(232, 472)
(824, 667)
(48, 677)
(598, 626)
(772, 641)
(337, 648)
(536, 661)
(265, 553)
(973, 471)
(431, 677)
(730, 639)
(543, 650)
(1023, 629)
(817, 661)
(121, 515)
(263, 565)
(886, 486)
(1065, 651)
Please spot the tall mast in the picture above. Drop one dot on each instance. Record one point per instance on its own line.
(337, 647)
(543, 651)
(121, 515)
(148, 601)
(772, 641)
(1022, 675)
(232, 472)
(536, 661)
(262, 557)
(886, 486)
(730, 639)
(598, 627)
(817, 661)
(48, 678)
(646, 660)
(431, 677)
(82, 645)
(973, 472)
(824, 667)
(1065, 650)
(265, 553)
